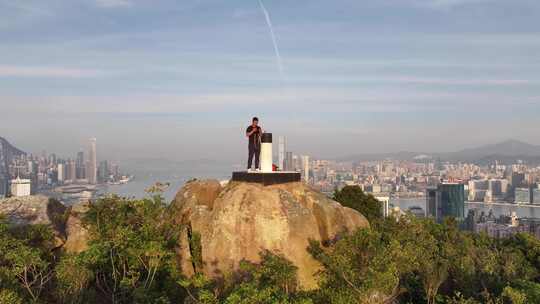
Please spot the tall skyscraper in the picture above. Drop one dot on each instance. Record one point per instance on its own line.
(305, 167)
(61, 173)
(81, 167)
(281, 152)
(103, 171)
(71, 170)
(288, 163)
(447, 199)
(92, 163)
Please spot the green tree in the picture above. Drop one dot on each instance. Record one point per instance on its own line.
(360, 268)
(353, 197)
(274, 280)
(131, 252)
(73, 279)
(26, 259)
(10, 297)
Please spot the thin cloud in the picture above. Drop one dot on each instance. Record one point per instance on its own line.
(322, 100)
(448, 3)
(113, 3)
(37, 71)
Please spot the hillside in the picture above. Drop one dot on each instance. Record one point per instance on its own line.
(7, 153)
(507, 151)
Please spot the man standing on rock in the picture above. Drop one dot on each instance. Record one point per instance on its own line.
(253, 132)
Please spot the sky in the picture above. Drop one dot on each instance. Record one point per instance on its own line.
(181, 80)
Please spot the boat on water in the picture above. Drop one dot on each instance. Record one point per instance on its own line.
(126, 179)
(123, 180)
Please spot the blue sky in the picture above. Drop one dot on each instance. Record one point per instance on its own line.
(181, 79)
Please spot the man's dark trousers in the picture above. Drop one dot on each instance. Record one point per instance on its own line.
(254, 151)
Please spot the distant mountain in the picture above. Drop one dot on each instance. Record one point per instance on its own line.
(507, 152)
(7, 153)
(404, 155)
(505, 148)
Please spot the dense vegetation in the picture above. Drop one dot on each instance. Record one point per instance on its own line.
(131, 259)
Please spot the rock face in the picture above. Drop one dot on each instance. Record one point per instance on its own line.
(40, 210)
(32, 210)
(36, 210)
(76, 233)
(238, 221)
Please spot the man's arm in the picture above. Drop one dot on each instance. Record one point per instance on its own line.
(249, 133)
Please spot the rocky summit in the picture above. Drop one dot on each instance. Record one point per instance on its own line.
(238, 221)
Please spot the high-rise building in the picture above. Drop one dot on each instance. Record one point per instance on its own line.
(495, 191)
(114, 170)
(524, 196)
(288, 163)
(478, 190)
(103, 171)
(446, 200)
(297, 163)
(305, 168)
(535, 196)
(92, 163)
(61, 174)
(517, 179)
(71, 170)
(80, 166)
(281, 152)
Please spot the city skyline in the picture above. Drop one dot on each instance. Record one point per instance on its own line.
(409, 79)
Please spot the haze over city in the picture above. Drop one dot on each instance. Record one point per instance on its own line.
(181, 80)
(270, 151)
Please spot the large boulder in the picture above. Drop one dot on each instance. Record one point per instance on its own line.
(238, 221)
(66, 224)
(36, 210)
(76, 232)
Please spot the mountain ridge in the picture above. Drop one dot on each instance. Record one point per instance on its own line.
(507, 150)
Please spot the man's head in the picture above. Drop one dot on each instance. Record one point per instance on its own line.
(255, 121)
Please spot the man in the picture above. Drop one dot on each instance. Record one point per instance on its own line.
(253, 132)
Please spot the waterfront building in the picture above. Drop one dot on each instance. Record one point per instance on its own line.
(495, 191)
(80, 166)
(478, 190)
(103, 171)
(446, 200)
(20, 187)
(71, 171)
(92, 163)
(523, 196)
(535, 196)
(61, 175)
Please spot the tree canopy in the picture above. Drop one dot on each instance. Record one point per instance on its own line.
(354, 198)
(131, 258)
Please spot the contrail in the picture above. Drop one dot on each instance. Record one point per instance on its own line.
(274, 41)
